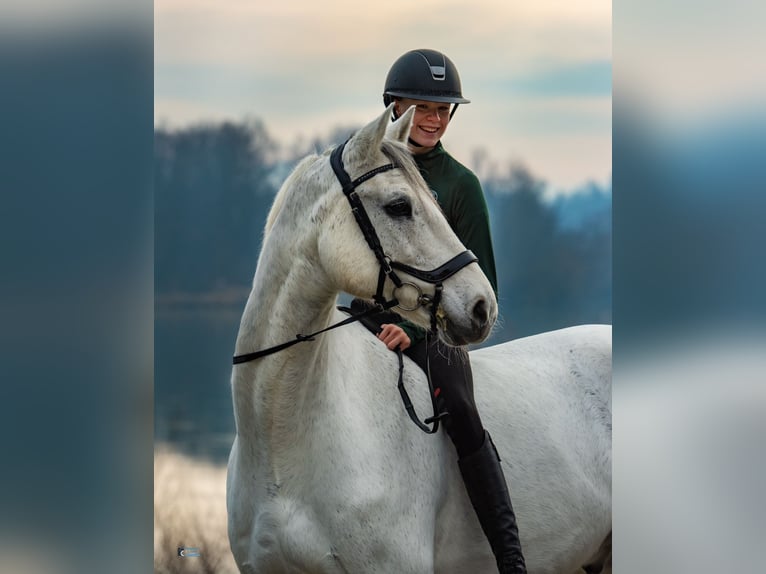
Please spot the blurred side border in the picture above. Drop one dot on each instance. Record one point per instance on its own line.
(689, 402)
(77, 316)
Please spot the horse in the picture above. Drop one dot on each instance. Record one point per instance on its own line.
(327, 474)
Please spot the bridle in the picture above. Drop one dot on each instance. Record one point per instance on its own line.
(388, 268)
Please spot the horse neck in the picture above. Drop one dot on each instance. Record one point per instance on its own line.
(290, 295)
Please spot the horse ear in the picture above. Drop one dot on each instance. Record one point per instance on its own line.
(400, 129)
(367, 140)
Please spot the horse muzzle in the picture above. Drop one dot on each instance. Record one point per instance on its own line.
(475, 329)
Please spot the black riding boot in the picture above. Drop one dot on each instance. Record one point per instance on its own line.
(487, 489)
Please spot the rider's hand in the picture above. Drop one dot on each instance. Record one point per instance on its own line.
(394, 336)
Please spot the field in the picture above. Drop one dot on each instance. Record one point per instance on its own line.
(189, 511)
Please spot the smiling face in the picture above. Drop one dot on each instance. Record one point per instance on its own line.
(429, 124)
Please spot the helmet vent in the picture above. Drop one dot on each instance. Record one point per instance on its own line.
(438, 72)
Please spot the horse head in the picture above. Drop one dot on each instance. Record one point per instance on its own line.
(412, 232)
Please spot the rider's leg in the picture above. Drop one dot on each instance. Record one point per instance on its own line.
(477, 457)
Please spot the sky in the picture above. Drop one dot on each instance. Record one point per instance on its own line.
(538, 74)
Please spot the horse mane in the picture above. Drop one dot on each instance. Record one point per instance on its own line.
(279, 200)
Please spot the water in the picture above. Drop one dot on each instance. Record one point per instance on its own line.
(192, 365)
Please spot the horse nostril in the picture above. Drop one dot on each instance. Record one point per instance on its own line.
(480, 313)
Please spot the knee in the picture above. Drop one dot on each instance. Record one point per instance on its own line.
(464, 427)
(461, 412)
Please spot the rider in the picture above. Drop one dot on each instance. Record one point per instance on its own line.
(429, 80)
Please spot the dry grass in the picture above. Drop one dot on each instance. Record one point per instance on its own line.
(189, 510)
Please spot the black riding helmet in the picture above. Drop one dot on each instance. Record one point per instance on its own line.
(424, 75)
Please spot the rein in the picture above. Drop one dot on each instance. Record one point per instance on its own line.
(387, 270)
(247, 357)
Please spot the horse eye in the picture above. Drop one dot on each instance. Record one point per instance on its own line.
(399, 208)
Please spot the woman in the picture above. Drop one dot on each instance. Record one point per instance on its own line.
(429, 80)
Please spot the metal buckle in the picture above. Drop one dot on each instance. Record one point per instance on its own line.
(417, 299)
(385, 263)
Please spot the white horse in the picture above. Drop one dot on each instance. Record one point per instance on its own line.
(327, 473)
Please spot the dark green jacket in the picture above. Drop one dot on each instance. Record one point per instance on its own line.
(460, 196)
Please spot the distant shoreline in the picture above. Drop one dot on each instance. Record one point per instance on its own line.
(229, 296)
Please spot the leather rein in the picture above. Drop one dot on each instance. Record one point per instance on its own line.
(388, 269)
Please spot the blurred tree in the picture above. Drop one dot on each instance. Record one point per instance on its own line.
(212, 194)
(523, 234)
(554, 270)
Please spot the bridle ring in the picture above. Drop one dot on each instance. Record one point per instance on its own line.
(418, 299)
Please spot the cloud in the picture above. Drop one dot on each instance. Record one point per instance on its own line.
(300, 32)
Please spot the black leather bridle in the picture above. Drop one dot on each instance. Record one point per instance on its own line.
(388, 268)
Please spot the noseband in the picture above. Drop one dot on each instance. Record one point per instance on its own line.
(388, 267)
